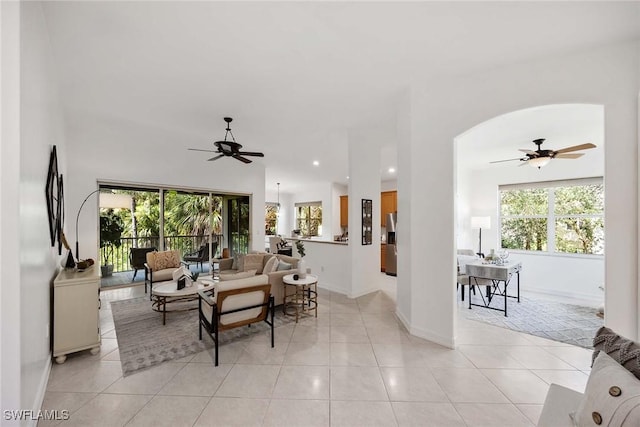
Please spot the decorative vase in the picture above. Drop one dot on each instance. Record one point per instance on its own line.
(302, 268)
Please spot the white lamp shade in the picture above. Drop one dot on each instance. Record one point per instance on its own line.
(481, 222)
(539, 162)
(113, 201)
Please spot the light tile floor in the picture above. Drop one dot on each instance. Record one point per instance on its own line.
(355, 365)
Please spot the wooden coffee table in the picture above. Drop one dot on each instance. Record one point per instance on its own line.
(167, 293)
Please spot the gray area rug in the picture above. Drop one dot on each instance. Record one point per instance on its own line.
(571, 324)
(144, 342)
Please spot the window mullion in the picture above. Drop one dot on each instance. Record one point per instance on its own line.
(551, 220)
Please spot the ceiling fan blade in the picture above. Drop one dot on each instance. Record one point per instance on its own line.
(198, 149)
(242, 159)
(524, 150)
(250, 153)
(215, 158)
(568, 156)
(508, 160)
(575, 148)
(523, 162)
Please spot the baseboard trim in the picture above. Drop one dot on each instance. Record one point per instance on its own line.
(449, 342)
(332, 288)
(364, 292)
(42, 390)
(577, 298)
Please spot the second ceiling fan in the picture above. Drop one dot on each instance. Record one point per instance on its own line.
(540, 157)
(229, 148)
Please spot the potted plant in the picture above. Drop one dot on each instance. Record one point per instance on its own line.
(302, 265)
(111, 229)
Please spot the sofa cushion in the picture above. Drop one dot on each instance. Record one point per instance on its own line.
(612, 396)
(163, 275)
(621, 349)
(271, 265)
(283, 266)
(236, 276)
(231, 302)
(253, 262)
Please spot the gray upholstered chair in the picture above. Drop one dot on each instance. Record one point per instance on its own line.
(463, 278)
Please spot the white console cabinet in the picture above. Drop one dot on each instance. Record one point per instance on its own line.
(76, 320)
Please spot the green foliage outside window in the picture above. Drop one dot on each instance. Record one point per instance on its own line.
(270, 220)
(309, 219)
(575, 213)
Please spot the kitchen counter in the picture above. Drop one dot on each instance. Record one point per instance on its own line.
(331, 242)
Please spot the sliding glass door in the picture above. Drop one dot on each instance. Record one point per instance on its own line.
(168, 219)
(238, 224)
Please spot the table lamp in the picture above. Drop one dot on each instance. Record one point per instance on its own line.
(480, 222)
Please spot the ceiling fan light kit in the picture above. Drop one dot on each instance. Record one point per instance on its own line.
(229, 148)
(540, 158)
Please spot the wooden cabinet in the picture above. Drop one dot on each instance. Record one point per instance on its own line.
(76, 323)
(383, 256)
(344, 211)
(388, 204)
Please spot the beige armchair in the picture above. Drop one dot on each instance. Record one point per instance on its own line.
(234, 303)
(160, 267)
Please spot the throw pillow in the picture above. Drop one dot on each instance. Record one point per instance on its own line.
(283, 266)
(270, 266)
(253, 262)
(236, 276)
(238, 262)
(611, 398)
(165, 259)
(621, 349)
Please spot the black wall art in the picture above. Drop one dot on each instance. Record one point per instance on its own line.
(367, 221)
(51, 194)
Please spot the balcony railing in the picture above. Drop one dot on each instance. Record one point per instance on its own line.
(184, 244)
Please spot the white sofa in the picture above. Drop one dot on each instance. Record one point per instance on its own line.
(275, 277)
(612, 395)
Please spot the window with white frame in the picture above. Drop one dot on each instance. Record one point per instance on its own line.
(309, 218)
(554, 216)
(271, 219)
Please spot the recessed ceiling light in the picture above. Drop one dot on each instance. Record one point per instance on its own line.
(391, 170)
(316, 163)
(347, 176)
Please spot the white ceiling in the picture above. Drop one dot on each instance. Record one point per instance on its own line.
(560, 125)
(297, 76)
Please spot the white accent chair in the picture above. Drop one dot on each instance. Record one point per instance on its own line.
(234, 303)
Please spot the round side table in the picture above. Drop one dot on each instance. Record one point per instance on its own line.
(304, 298)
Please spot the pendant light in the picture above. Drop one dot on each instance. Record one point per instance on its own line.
(278, 205)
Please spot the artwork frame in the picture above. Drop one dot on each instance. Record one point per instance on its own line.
(51, 195)
(60, 213)
(367, 221)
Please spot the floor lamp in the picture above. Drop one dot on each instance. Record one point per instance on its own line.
(480, 222)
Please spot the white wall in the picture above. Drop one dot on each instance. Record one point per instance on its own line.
(440, 111)
(28, 292)
(364, 183)
(10, 391)
(330, 262)
(92, 157)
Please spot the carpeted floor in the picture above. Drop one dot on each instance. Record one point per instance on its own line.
(144, 342)
(571, 324)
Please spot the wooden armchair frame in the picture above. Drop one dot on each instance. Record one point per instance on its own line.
(213, 325)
